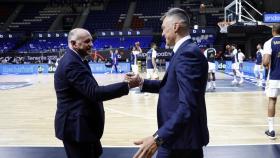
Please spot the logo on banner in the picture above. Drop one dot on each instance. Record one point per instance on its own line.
(222, 65)
(51, 68)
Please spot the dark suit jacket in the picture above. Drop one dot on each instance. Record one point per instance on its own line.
(181, 111)
(80, 114)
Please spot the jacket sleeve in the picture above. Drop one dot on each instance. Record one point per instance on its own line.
(82, 80)
(151, 86)
(189, 75)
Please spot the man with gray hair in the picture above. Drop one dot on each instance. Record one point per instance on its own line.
(79, 119)
(181, 110)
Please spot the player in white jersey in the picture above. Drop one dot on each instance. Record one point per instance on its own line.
(271, 59)
(236, 66)
(135, 51)
(241, 58)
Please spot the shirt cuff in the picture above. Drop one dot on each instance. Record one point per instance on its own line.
(141, 84)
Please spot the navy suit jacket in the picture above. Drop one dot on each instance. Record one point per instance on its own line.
(181, 110)
(80, 114)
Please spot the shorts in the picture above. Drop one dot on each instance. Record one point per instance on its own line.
(135, 69)
(152, 74)
(211, 67)
(258, 68)
(272, 92)
(235, 66)
(272, 88)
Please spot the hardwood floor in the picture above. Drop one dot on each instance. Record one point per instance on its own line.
(27, 114)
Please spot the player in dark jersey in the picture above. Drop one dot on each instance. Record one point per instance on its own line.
(210, 54)
(115, 62)
(258, 68)
(151, 66)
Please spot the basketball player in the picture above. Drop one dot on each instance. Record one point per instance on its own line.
(135, 51)
(271, 59)
(114, 57)
(241, 58)
(235, 66)
(227, 53)
(210, 54)
(258, 69)
(151, 62)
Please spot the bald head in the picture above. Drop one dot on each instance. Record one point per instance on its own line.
(80, 40)
(76, 35)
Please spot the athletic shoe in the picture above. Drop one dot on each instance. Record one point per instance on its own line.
(271, 135)
(234, 82)
(241, 81)
(213, 85)
(209, 87)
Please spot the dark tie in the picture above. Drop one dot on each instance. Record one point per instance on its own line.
(171, 58)
(86, 63)
(172, 53)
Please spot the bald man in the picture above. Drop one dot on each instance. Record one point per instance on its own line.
(181, 112)
(79, 119)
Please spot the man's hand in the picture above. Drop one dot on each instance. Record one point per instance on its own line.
(133, 80)
(147, 149)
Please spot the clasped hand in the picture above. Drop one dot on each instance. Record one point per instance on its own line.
(134, 80)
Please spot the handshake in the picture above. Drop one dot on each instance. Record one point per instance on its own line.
(133, 80)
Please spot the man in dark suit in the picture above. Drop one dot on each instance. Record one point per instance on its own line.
(181, 111)
(79, 119)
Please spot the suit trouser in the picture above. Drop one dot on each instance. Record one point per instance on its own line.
(182, 153)
(82, 150)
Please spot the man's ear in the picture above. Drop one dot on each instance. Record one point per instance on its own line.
(176, 27)
(73, 43)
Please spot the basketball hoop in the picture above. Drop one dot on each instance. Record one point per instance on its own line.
(224, 25)
(238, 11)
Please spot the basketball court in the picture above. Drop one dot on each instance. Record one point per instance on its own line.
(237, 114)
(236, 119)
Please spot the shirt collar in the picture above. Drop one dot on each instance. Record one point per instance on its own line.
(83, 59)
(180, 42)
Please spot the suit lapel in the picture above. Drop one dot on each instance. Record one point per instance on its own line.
(84, 63)
(87, 65)
(173, 58)
(166, 74)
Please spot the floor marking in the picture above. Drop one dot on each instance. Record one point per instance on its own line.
(128, 114)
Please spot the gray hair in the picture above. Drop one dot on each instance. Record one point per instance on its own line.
(179, 14)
